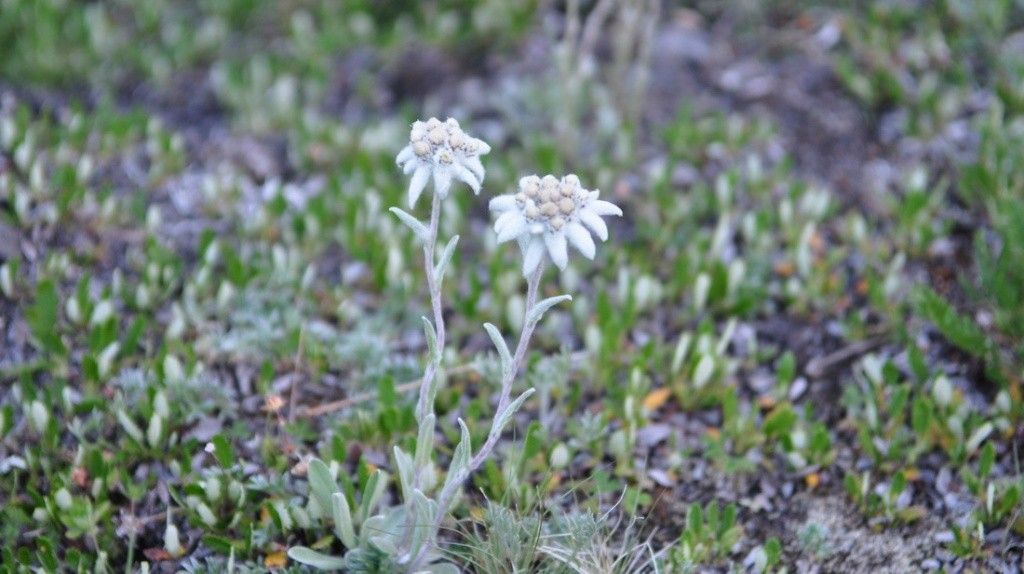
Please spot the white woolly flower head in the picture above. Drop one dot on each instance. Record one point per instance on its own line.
(444, 151)
(547, 215)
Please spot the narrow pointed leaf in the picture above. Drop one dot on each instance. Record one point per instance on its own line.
(417, 227)
(431, 335)
(342, 515)
(372, 492)
(446, 258)
(460, 458)
(404, 464)
(501, 346)
(424, 510)
(425, 441)
(538, 310)
(505, 416)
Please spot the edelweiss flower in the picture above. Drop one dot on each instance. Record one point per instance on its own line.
(443, 150)
(547, 214)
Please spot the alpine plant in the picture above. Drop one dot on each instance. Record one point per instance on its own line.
(545, 217)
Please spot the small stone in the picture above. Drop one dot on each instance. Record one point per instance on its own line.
(930, 564)
(662, 478)
(653, 434)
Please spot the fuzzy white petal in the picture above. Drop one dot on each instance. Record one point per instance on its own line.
(411, 166)
(474, 165)
(580, 239)
(595, 223)
(481, 146)
(502, 203)
(405, 156)
(557, 248)
(505, 218)
(442, 181)
(602, 207)
(515, 227)
(467, 176)
(418, 182)
(533, 256)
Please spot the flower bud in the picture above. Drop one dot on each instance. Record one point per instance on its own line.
(211, 487)
(942, 391)
(155, 430)
(172, 542)
(205, 514)
(560, 456)
(39, 416)
(63, 499)
(174, 372)
(704, 371)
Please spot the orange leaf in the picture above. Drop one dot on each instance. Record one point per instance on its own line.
(812, 480)
(275, 560)
(656, 398)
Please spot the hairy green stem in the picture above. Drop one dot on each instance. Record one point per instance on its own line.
(451, 487)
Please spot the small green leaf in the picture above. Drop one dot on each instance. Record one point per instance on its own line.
(311, 557)
(222, 451)
(986, 460)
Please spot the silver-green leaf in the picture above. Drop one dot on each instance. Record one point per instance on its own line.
(431, 335)
(460, 458)
(343, 527)
(446, 258)
(417, 227)
(321, 484)
(505, 416)
(374, 489)
(425, 441)
(501, 346)
(405, 471)
(537, 311)
(311, 557)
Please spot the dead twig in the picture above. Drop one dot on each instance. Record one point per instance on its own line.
(818, 366)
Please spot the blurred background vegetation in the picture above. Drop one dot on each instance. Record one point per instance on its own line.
(803, 345)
